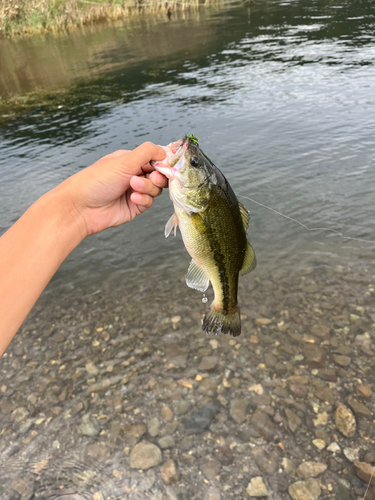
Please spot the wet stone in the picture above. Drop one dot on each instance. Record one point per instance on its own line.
(268, 461)
(89, 426)
(145, 455)
(310, 469)
(19, 414)
(202, 418)
(223, 454)
(262, 425)
(359, 408)
(208, 363)
(166, 413)
(351, 454)
(364, 390)
(97, 451)
(257, 488)
(208, 386)
(365, 472)
(341, 360)
(153, 427)
(210, 469)
(185, 444)
(182, 407)
(238, 409)
(169, 472)
(315, 355)
(345, 421)
(212, 493)
(176, 355)
(166, 442)
(305, 490)
(293, 420)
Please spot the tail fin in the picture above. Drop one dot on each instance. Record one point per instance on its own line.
(217, 322)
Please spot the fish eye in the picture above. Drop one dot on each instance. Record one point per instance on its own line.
(194, 162)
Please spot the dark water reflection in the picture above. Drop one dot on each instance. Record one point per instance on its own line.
(281, 96)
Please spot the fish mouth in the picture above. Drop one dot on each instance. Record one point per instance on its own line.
(175, 158)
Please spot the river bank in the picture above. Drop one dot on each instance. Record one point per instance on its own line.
(27, 17)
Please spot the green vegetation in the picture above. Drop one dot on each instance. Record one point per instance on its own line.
(193, 139)
(21, 17)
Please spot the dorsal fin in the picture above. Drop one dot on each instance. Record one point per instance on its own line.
(245, 216)
(249, 261)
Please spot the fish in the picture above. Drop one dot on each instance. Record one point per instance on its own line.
(213, 226)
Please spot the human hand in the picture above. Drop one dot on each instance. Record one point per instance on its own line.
(116, 188)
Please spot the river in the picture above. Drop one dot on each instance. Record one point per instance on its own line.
(281, 97)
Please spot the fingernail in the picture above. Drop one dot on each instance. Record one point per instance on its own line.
(140, 182)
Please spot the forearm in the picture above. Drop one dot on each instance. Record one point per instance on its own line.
(30, 253)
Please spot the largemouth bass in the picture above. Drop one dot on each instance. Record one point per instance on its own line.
(213, 225)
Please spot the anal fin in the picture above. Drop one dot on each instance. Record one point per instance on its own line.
(195, 278)
(249, 261)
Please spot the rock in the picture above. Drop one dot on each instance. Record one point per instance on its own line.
(262, 321)
(133, 433)
(208, 363)
(305, 490)
(166, 442)
(18, 414)
(351, 454)
(315, 355)
(268, 461)
(224, 454)
(293, 420)
(212, 494)
(365, 472)
(176, 355)
(89, 426)
(262, 425)
(202, 418)
(369, 457)
(341, 360)
(145, 455)
(238, 409)
(358, 408)
(310, 469)
(153, 426)
(210, 469)
(319, 443)
(166, 413)
(256, 488)
(288, 466)
(321, 331)
(182, 407)
(208, 386)
(97, 451)
(364, 390)
(91, 369)
(334, 448)
(345, 421)
(321, 419)
(169, 472)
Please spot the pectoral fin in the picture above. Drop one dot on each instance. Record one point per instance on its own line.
(250, 261)
(172, 223)
(195, 278)
(245, 216)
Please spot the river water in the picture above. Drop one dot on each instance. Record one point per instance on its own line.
(282, 97)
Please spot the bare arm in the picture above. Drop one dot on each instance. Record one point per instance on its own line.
(112, 191)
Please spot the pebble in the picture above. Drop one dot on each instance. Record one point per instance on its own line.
(89, 426)
(310, 469)
(364, 390)
(358, 408)
(257, 488)
(166, 442)
(169, 472)
(238, 409)
(19, 414)
(305, 490)
(213, 493)
(210, 469)
(182, 407)
(319, 443)
(351, 454)
(345, 421)
(341, 360)
(315, 355)
(365, 471)
(166, 413)
(224, 454)
(288, 466)
(153, 427)
(91, 369)
(208, 363)
(202, 418)
(145, 455)
(334, 447)
(293, 420)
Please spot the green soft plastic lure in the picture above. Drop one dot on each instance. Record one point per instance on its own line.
(193, 139)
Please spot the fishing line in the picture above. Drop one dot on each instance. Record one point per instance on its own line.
(304, 225)
(368, 486)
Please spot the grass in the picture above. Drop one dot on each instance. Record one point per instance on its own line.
(23, 17)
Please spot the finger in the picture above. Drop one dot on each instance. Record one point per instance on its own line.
(143, 201)
(145, 186)
(158, 179)
(146, 152)
(117, 153)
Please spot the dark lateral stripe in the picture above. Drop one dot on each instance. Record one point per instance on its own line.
(224, 279)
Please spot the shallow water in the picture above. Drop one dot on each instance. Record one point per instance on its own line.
(281, 96)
